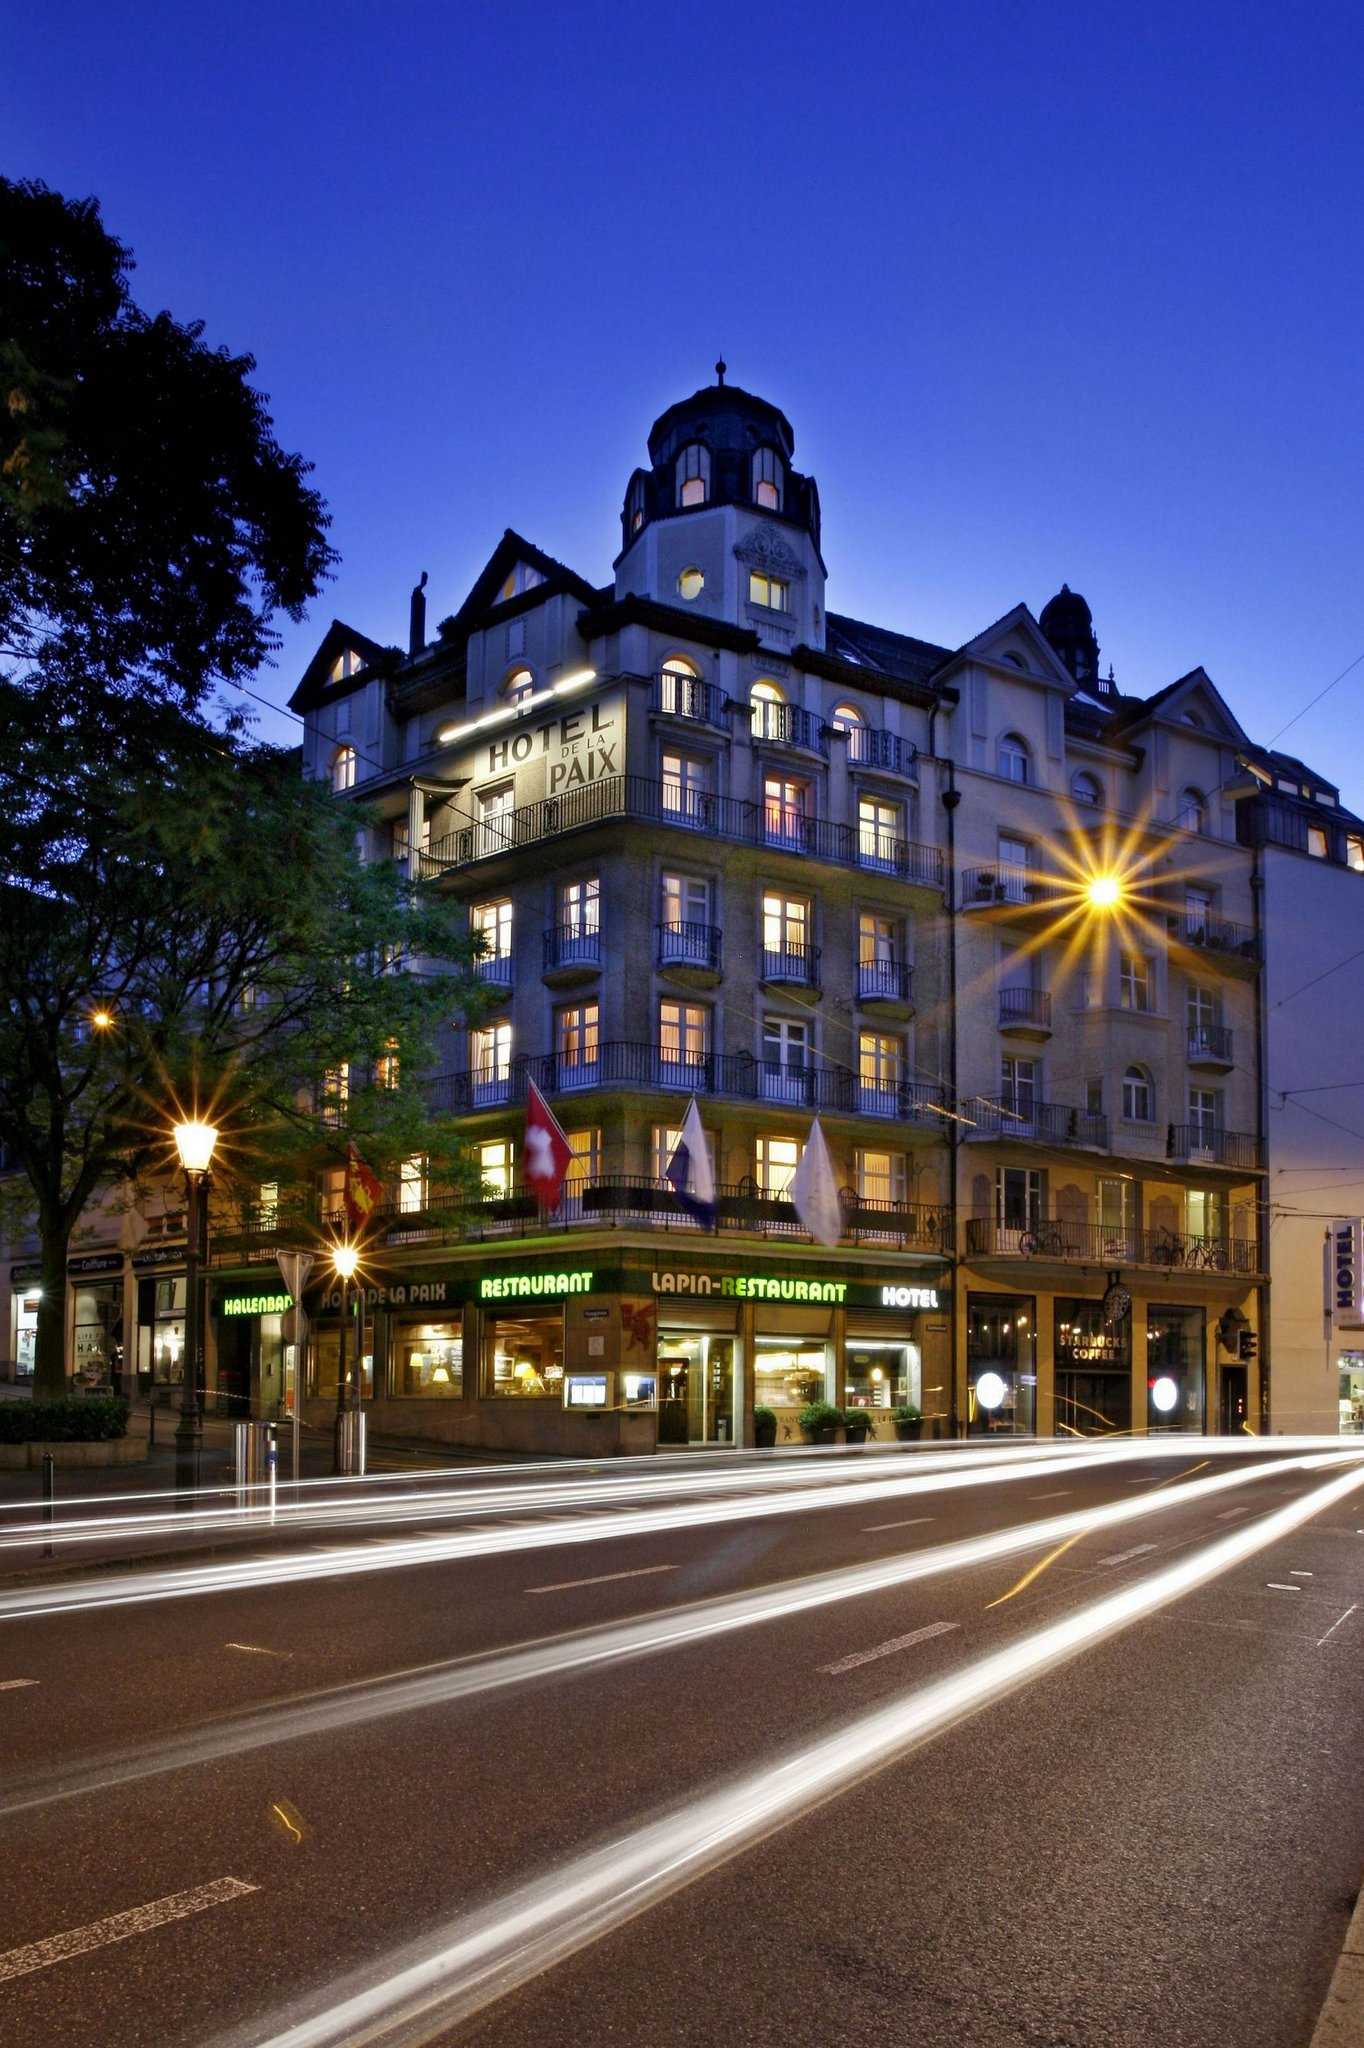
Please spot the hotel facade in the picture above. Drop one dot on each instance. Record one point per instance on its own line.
(1004, 928)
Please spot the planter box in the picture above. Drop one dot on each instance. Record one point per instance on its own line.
(117, 1450)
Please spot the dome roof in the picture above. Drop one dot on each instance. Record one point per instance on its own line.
(1066, 614)
(735, 419)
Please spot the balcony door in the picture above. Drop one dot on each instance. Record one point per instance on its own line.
(1018, 1204)
(786, 1060)
(495, 807)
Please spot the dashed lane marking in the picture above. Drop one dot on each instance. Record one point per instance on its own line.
(14, 1684)
(917, 1635)
(1227, 1513)
(259, 1650)
(1277, 1586)
(914, 1522)
(1336, 1623)
(1063, 1493)
(1295, 1574)
(644, 1571)
(78, 1941)
(1123, 1556)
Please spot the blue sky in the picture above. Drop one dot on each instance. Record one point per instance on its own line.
(1048, 292)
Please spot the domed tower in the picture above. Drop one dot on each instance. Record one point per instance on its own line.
(1069, 625)
(722, 521)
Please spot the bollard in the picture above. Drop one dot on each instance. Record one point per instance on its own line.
(271, 1463)
(49, 1472)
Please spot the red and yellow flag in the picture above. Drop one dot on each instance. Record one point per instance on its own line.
(364, 1191)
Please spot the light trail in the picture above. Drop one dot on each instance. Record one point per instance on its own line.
(84, 1595)
(479, 1957)
(345, 1708)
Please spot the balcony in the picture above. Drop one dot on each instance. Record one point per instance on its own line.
(1025, 1012)
(1008, 886)
(1039, 1123)
(1096, 1244)
(786, 725)
(642, 799)
(571, 953)
(690, 951)
(1216, 935)
(689, 699)
(887, 983)
(1200, 1145)
(489, 1087)
(495, 970)
(1210, 1047)
(884, 751)
(793, 966)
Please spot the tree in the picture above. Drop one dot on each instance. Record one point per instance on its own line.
(210, 938)
(150, 523)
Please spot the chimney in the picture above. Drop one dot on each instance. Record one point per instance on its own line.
(416, 620)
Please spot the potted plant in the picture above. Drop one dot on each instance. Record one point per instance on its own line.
(856, 1424)
(819, 1420)
(764, 1428)
(908, 1422)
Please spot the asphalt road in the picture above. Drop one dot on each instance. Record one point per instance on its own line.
(771, 1751)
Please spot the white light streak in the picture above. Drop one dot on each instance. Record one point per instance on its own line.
(479, 1957)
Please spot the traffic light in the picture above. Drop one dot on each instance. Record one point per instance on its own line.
(1248, 1345)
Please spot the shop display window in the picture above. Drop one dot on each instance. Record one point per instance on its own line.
(1351, 1365)
(523, 1356)
(326, 1353)
(25, 1334)
(1174, 1368)
(1093, 1370)
(882, 1373)
(98, 1334)
(788, 1372)
(1001, 1364)
(428, 1360)
(161, 1331)
(695, 1387)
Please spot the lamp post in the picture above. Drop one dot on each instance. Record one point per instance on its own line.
(195, 1142)
(345, 1259)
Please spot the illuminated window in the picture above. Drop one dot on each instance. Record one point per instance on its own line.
(767, 703)
(772, 592)
(786, 924)
(522, 577)
(267, 1204)
(665, 1140)
(775, 1162)
(343, 769)
(690, 584)
(686, 784)
(634, 515)
(1086, 789)
(677, 692)
(1138, 1096)
(879, 1070)
(520, 685)
(585, 1166)
(1316, 842)
(1193, 810)
(345, 666)
(575, 1043)
(1015, 760)
(880, 828)
(335, 1094)
(492, 922)
(386, 1066)
(683, 1036)
(847, 718)
(786, 804)
(768, 479)
(495, 1163)
(880, 1177)
(1354, 852)
(412, 1184)
(490, 1047)
(693, 474)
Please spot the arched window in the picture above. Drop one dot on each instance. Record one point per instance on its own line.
(1086, 789)
(766, 705)
(847, 718)
(520, 685)
(343, 769)
(1015, 761)
(634, 511)
(1138, 1096)
(677, 687)
(768, 479)
(693, 474)
(1193, 810)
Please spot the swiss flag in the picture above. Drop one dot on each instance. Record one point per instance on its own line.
(548, 1154)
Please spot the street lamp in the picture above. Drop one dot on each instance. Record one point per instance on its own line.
(345, 1260)
(1104, 892)
(195, 1142)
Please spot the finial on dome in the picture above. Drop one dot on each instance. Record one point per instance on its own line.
(720, 369)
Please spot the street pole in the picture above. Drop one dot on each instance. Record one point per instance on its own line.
(358, 1404)
(338, 1455)
(187, 1427)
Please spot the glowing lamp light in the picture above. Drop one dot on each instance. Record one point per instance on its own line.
(345, 1259)
(1104, 892)
(990, 1390)
(1164, 1393)
(101, 1020)
(194, 1141)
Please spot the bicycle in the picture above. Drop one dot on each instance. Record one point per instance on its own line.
(1044, 1243)
(1167, 1250)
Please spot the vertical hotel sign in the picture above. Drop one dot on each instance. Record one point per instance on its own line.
(1344, 1276)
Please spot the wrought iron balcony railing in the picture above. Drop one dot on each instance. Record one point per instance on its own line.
(1211, 1043)
(884, 981)
(868, 748)
(685, 943)
(1214, 934)
(1098, 1244)
(570, 945)
(787, 725)
(1200, 1144)
(793, 963)
(1025, 1007)
(496, 969)
(688, 697)
(1047, 1123)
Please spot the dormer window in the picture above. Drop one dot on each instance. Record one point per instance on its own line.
(343, 769)
(520, 685)
(847, 718)
(768, 479)
(634, 510)
(345, 666)
(693, 474)
(522, 577)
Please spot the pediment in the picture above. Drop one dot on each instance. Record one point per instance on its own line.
(1017, 642)
(765, 550)
(1196, 702)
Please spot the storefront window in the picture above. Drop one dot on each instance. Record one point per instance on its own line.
(695, 1387)
(98, 1315)
(788, 1372)
(26, 1331)
(1001, 1364)
(428, 1360)
(326, 1352)
(523, 1356)
(1352, 1393)
(1174, 1368)
(882, 1372)
(1093, 1370)
(161, 1331)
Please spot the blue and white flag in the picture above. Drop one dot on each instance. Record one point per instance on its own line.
(688, 1172)
(814, 1190)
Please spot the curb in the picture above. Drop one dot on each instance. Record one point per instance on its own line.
(1341, 2021)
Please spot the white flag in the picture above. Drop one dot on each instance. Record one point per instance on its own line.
(689, 1169)
(814, 1190)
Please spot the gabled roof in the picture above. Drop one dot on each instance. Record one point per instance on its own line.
(314, 686)
(511, 549)
(1166, 704)
(1018, 619)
